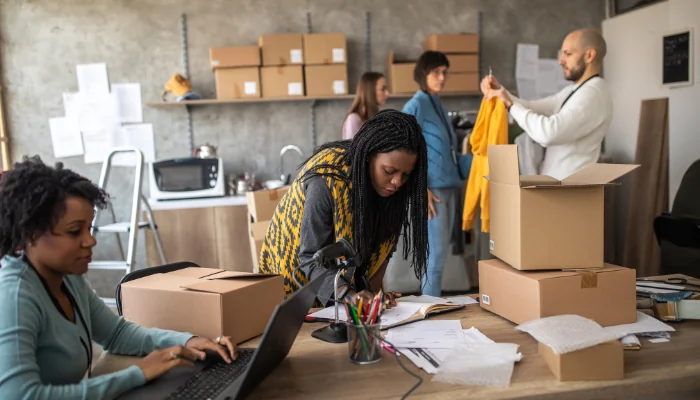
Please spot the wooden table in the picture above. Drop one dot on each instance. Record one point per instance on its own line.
(318, 370)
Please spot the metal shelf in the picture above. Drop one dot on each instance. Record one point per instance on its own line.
(205, 102)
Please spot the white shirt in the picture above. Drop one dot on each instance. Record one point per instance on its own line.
(573, 135)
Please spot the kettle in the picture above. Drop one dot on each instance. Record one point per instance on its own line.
(205, 151)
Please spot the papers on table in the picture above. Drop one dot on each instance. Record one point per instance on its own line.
(430, 359)
(66, 138)
(401, 312)
(427, 334)
(424, 299)
(644, 325)
(92, 124)
(464, 300)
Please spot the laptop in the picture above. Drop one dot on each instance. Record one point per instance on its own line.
(213, 379)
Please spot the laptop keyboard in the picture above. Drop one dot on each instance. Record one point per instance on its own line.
(213, 379)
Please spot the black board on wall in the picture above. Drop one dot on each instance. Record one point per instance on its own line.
(677, 58)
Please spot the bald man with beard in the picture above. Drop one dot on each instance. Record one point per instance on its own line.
(571, 124)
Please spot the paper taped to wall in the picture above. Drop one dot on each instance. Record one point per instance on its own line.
(65, 137)
(128, 102)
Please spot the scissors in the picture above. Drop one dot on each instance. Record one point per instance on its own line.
(675, 281)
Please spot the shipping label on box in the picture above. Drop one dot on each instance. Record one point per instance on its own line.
(606, 296)
(538, 222)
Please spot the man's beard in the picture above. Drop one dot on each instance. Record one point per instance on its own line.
(574, 74)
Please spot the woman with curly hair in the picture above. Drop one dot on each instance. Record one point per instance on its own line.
(369, 191)
(49, 315)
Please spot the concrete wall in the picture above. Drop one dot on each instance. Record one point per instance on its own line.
(42, 41)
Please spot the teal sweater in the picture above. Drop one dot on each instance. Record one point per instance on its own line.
(443, 173)
(41, 354)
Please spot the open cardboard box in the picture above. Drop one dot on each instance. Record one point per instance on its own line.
(204, 301)
(607, 296)
(538, 222)
(400, 75)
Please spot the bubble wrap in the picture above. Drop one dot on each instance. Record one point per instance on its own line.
(567, 333)
(479, 364)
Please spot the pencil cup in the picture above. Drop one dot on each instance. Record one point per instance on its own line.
(363, 343)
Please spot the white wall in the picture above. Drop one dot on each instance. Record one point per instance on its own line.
(684, 102)
(633, 68)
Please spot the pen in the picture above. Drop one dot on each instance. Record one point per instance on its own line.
(387, 348)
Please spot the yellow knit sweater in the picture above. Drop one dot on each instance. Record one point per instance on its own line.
(491, 128)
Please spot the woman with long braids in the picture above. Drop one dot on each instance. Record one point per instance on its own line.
(369, 191)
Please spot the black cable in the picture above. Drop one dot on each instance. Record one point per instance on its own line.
(401, 364)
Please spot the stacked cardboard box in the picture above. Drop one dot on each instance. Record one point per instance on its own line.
(282, 72)
(462, 50)
(237, 71)
(325, 69)
(261, 207)
(547, 236)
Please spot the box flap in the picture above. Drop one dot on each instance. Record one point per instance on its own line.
(527, 181)
(390, 57)
(598, 174)
(238, 275)
(161, 282)
(226, 281)
(194, 272)
(503, 164)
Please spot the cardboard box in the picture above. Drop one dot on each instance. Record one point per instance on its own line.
(462, 83)
(603, 362)
(255, 249)
(205, 302)
(326, 80)
(287, 81)
(400, 76)
(463, 63)
(453, 42)
(325, 48)
(281, 49)
(607, 296)
(263, 203)
(237, 83)
(538, 222)
(239, 56)
(256, 236)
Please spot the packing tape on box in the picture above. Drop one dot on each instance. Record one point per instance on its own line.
(589, 279)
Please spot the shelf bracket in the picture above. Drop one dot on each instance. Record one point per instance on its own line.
(368, 42)
(185, 60)
(312, 125)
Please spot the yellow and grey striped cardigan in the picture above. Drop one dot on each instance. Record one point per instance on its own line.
(280, 250)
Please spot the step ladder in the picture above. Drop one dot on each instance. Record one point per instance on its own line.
(133, 225)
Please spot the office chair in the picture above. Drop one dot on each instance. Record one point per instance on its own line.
(140, 273)
(678, 232)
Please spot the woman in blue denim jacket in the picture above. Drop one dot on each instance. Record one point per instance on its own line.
(447, 169)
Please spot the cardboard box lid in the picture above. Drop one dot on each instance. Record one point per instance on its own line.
(226, 281)
(555, 274)
(207, 280)
(504, 168)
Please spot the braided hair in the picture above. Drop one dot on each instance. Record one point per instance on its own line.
(377, 219)
(33, 199)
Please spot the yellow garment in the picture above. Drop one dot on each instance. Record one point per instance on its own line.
(491, 128)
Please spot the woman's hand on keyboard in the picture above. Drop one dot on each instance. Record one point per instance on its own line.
(161, 361)
(223, 345)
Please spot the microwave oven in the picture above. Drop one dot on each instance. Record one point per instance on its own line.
(187, 178)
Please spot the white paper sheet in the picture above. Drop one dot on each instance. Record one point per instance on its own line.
(92, 78)
(659, 285)
(526, 61)
(98, 143)
(71, 104)
(644, 324)
(527, 88)
(95, 112)
(652, 290)
(430, 359)
(401, 312)
(129, 102)
(424, 299)
(659, 340)
(427, 334)
(139, 136)
(463, 300)
(65, 137)
(547, 77)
